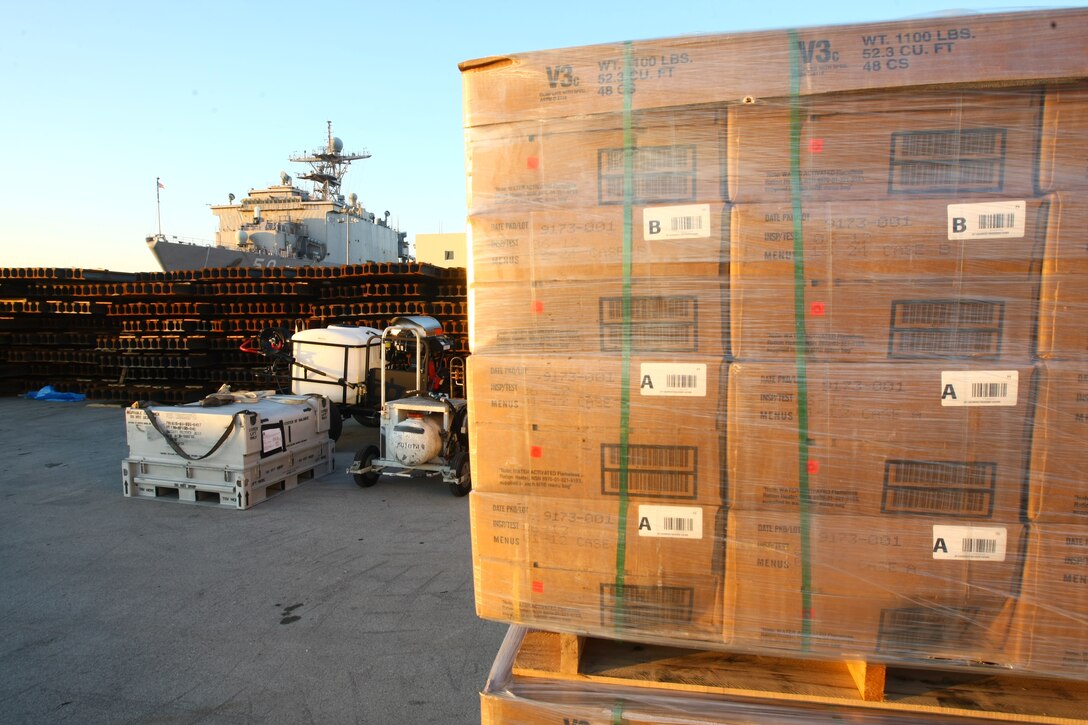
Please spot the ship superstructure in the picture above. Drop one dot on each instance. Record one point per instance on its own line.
(284, 225)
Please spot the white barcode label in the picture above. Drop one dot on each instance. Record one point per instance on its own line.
(984, 543)
(675, 379)
(986, 220)
(979, 387)
(691, 221)
(675, 522)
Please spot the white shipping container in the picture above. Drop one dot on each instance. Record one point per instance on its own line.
(245, 432)
(234, 455)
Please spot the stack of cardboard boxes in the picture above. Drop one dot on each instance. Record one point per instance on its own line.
(598, 395)
(880, 403)
(1052, 610)
(779, 342)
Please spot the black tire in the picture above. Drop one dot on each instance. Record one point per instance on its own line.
(369, 418)
(366, 480)
(336, 422)
(460, 464)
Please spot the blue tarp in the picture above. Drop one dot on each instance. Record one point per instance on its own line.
(47, 393)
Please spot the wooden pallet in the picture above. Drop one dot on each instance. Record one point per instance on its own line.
(856, 687)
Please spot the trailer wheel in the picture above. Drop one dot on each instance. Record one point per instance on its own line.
(366, 480)
(460, 464)
(336, 422)
(369, 418)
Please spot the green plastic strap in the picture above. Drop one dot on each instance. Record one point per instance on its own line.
(625, 343)
(800, 341)
(617, 713)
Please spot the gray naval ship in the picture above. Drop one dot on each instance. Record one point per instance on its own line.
(285, 226)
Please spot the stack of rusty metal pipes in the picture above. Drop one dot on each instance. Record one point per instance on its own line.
(175, 336)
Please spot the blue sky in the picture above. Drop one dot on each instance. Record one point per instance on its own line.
(101, 98)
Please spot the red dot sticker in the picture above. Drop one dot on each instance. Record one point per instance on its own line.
(538, 587)
(813, 466)
(817, 309)
(537, 306)
(533, 162)
(815, 145)
(536, 451)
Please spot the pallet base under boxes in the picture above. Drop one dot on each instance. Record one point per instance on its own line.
(546, 677)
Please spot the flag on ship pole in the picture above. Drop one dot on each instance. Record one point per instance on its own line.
(158, 204)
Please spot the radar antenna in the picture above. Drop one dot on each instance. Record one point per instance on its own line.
(328, 166)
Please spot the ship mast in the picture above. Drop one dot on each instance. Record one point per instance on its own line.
(328, 166)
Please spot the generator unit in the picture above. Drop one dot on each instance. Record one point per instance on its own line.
(422, 432)
(233, 450)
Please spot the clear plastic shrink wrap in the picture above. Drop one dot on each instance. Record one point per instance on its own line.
(780, 343)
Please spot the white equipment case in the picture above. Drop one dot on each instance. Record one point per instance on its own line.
(233, 450)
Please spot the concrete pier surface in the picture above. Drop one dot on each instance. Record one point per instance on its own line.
(327, 604)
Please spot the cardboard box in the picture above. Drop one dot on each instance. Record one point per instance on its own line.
(999, 48)
(556, 426)
(1063, 153)
(557, 702)
(1058, 487)
(673, 394)
(662, 315)
(966, 144)
(1048, 628)
(685, 240)
(604, 567)
(901, 440)
(677, 156)
(878, 588)
(1063, 308)
(660, 466)
(888, 281)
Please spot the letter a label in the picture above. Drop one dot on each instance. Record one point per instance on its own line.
(670, 522)
(979, 387)
(969, 543)
(686, 380)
